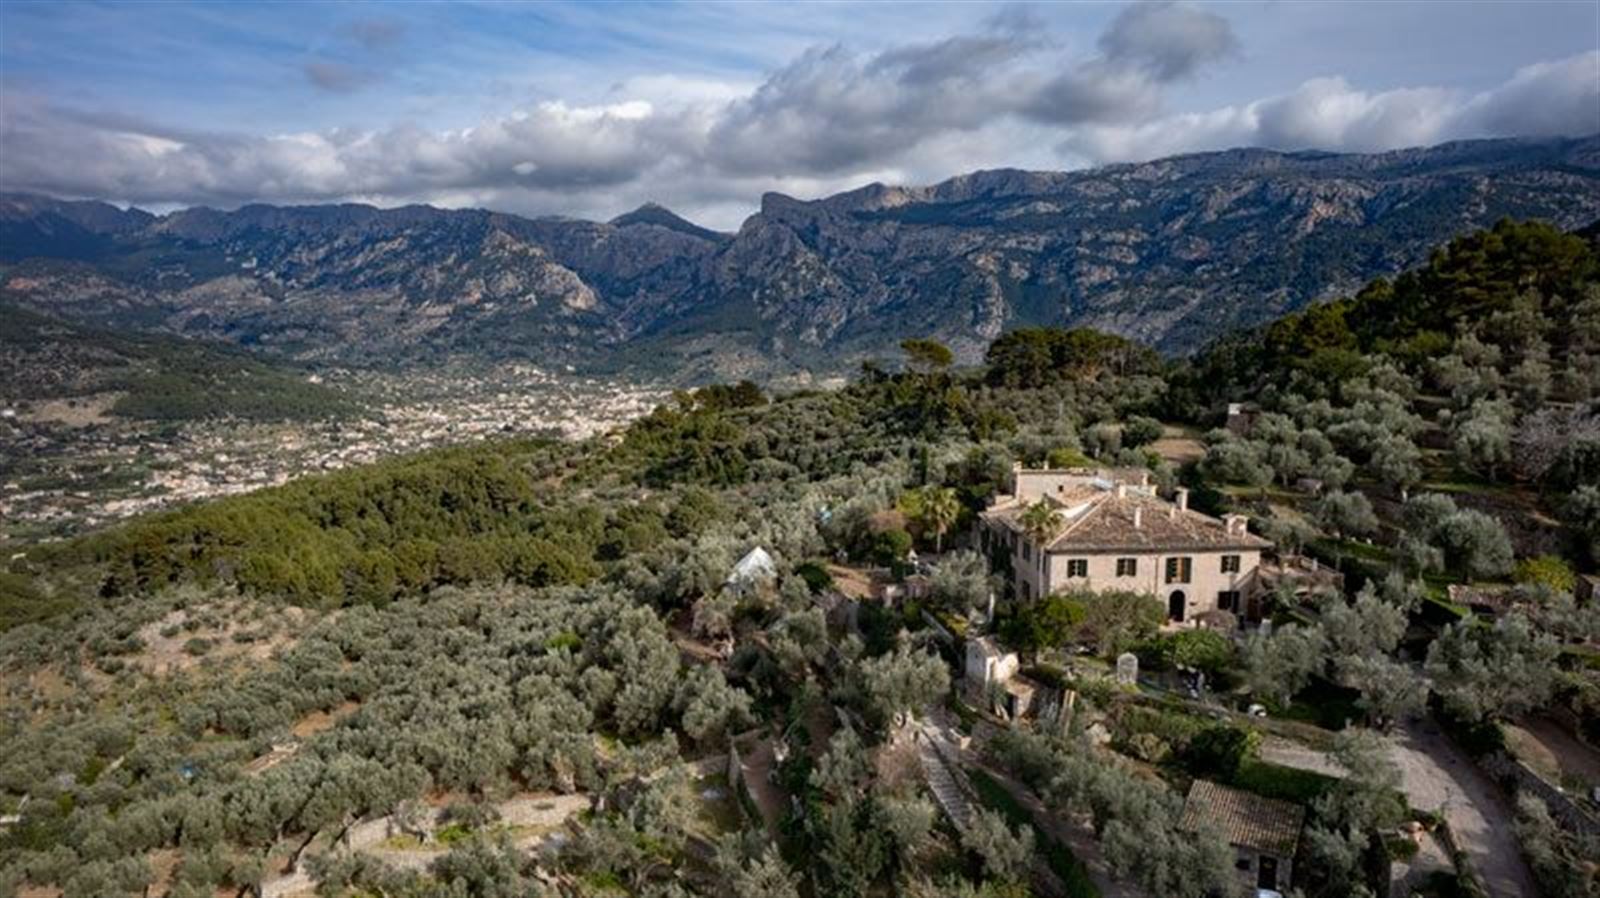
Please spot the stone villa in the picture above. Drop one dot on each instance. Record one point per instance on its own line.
(1112, 531)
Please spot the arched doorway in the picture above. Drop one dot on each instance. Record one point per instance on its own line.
(1177, 603)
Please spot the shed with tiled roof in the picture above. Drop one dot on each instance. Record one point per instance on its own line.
(1264, 832)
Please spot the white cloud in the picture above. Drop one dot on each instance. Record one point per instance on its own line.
(1171, 40)
(830, 119)
(1546, 98)
(1549, 99)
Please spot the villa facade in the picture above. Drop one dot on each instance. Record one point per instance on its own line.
(1112, 531)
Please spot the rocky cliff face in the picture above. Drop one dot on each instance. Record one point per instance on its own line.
(1172, 252)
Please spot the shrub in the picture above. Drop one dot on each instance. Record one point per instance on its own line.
(572, 642)
(890, 546)
(1047, 623)
(1221, 751)
(1547, 570)
(1149, 747)
(1205, 650)
(1068, 457)
(815, 576)
(1401, 848)
(1140, 431)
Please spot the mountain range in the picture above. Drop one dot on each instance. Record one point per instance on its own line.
(1173, 252)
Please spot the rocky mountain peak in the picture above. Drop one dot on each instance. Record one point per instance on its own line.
(652, 213)
(1172, 252)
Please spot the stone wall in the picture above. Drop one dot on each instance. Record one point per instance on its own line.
(1515, 776)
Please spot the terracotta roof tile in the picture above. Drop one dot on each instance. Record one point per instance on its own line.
(1106, 523)
(1244, 818)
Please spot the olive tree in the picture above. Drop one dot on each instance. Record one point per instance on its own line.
(1482, 436)
(1238, 461)
(1561, 859)
(1440, 534)
(1345, 515)
(1367, 626)
(962, 582)
(845, 769)
(1390, 690)
(903, 682)
(1396, 462)
(710, 707)
(1166, 860)
(1493, 673)
(1278, 666)
(1476, 544)
(1005, 852)
(1582, 510)
(909, 821)
(755, 875)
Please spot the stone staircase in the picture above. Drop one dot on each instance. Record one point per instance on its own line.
(947, 783)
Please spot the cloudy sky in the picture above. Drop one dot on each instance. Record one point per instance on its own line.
(590, 109)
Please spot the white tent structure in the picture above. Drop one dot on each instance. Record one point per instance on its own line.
(754, 569)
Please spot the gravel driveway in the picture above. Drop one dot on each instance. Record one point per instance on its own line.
(1278, 750)
(1438, 776)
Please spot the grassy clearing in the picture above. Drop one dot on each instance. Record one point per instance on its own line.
(1277, 781)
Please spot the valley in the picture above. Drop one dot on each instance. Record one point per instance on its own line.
(1129, 449)
(68, 464)
(300, 598)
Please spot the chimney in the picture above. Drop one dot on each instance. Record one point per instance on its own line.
(1183, 499)
(1138, 516)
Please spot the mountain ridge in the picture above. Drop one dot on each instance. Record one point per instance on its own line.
(1172, 252)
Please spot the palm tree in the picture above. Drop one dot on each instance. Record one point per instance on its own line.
(939, 509)
(1041, 521)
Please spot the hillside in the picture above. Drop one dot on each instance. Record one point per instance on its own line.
(1173, 253)
(237, 694)
(150, 377)
(486, 511)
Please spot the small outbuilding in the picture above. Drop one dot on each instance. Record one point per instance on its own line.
(1242, 417)
(988, 664)
(1263, 832)
(1587, 588)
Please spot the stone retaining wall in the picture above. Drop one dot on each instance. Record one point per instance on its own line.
(1517, 776)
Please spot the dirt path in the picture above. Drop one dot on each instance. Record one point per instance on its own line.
(543, 813)
(1573, 758)
(1438, 776)
(755, 768)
